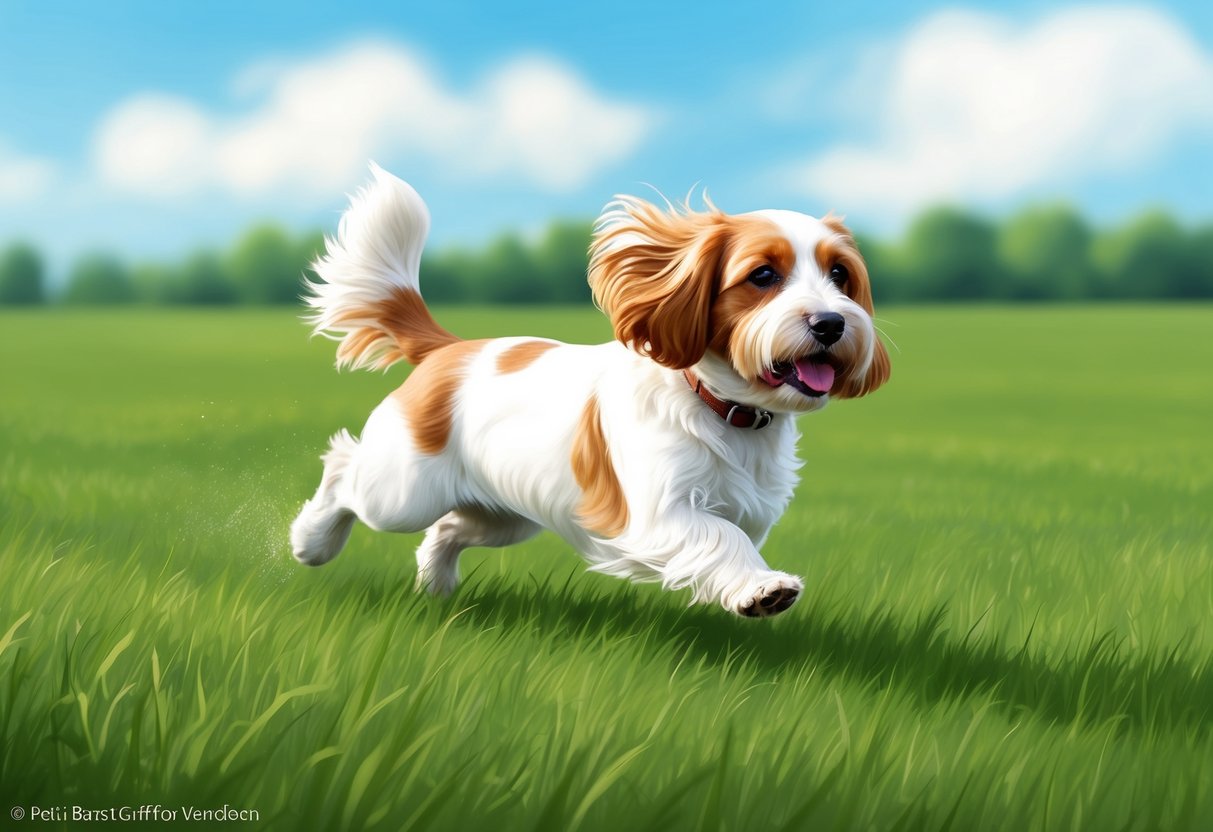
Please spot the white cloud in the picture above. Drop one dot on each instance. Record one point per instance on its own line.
(314, 125)
(972, 107)
(23, 177)
(155, 143)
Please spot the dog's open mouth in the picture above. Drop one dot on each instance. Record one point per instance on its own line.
(812, 375)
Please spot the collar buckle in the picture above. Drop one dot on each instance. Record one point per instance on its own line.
(754, 418)
(762, 418)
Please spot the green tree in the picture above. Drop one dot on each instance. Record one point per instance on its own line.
(203, 280)
(155, 283)
(445, 276)
(952, 255)
(21, 276)
(561, 260)
(99, 279)
(886, 270)
(1201, 247)
(266, 266)
(1151, 257)
(1046, 253)
(506, 273)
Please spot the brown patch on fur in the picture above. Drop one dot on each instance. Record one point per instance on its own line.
(520, 356)
(756, 242)
(841, 248)
(427, 397)
(386, 331)
(658, 275)
(654, 275)
(602, 509)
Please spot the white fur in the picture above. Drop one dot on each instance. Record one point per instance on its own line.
(701, 495)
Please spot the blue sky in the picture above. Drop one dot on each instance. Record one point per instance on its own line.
(149, 129)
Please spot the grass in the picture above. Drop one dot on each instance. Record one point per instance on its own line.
(1007, 621)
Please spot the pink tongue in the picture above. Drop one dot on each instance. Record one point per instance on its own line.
(819, 377)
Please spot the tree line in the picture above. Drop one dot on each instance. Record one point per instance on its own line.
(1045, 252)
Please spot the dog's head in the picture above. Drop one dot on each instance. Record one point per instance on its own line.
(771, 308)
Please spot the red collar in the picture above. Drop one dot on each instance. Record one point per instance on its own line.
(737, 415)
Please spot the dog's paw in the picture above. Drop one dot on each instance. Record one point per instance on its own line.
(771, 597)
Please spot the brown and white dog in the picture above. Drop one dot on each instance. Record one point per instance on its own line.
(665, 455)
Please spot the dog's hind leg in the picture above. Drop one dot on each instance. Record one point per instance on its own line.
(463, 528)
(324, 524)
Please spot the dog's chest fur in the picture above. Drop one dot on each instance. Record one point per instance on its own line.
(746, 477)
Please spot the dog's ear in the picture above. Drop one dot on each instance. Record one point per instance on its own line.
(655, 274)
(861, 384)
(842, 248)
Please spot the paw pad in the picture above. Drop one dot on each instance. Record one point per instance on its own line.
(770, 602)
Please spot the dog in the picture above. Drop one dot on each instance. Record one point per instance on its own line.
(664, 455)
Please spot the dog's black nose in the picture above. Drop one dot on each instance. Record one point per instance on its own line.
(827, 327)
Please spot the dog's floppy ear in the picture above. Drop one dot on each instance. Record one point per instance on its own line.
(655, 274)
(862, 384)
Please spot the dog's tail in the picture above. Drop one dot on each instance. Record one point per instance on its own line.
(368, 297)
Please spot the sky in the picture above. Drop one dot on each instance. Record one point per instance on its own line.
(150, 129)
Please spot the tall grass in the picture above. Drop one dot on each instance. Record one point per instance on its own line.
(1006, 623)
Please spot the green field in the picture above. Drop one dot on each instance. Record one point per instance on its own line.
(1008, 620)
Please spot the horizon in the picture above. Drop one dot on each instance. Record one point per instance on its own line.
(57, 279)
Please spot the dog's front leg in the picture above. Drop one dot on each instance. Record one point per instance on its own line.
(712, 557)
(728, 568)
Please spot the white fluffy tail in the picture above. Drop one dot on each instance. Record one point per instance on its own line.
(368, 296)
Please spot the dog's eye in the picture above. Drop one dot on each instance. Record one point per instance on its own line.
(839, 275)
(764, 277)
